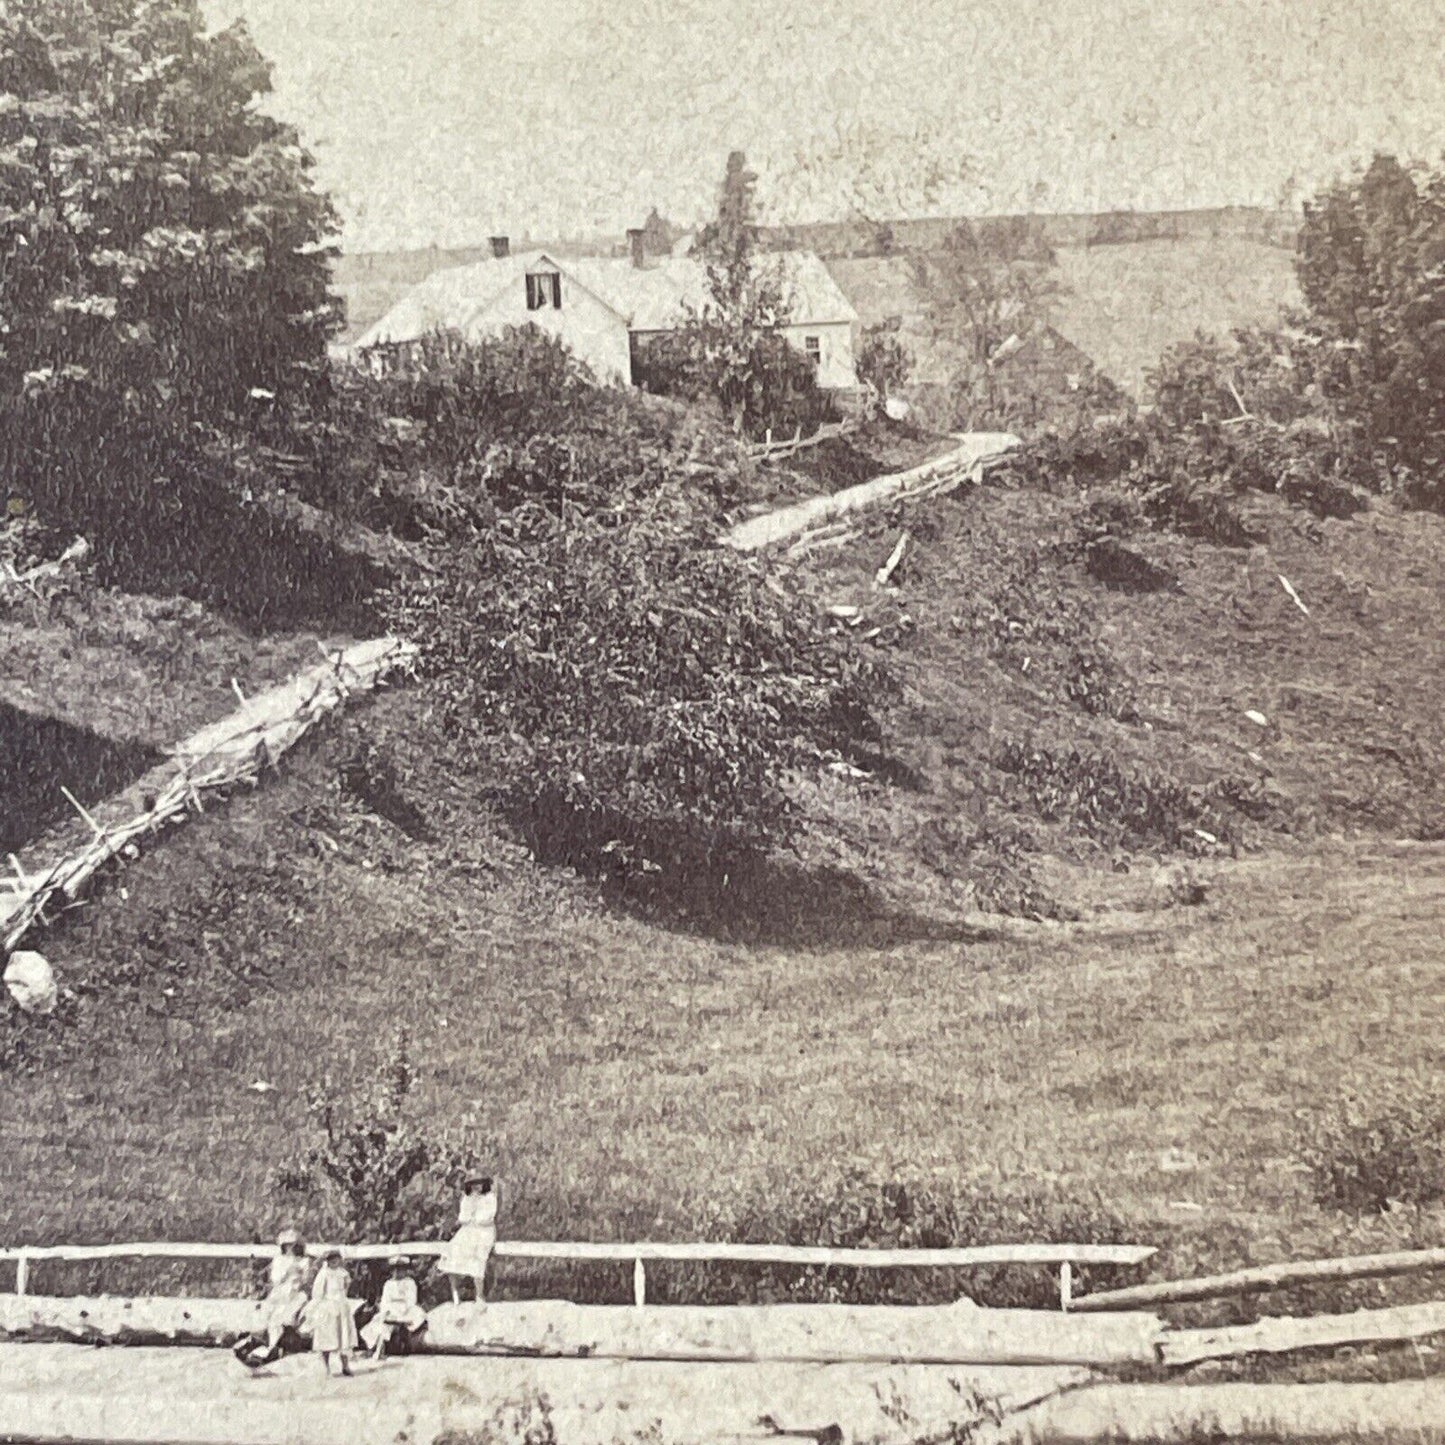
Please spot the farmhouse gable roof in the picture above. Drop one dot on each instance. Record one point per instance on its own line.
(644, 298)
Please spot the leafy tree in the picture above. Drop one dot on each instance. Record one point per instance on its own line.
(1371, 265)
(883, 361)
(164, 266)
(988, 283)
(731, 348)
(380, 1174)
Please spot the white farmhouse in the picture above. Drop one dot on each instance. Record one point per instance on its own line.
(606, 308)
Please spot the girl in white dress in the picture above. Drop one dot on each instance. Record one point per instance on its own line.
(285, 1301)
(399, 1314)
(331, 1314)
(470, 1247)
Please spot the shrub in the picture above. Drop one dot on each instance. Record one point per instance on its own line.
(377, 1174)
(1368, 1154)
(883, 361)
(455, 431)
(1114, 805)
(631, 685)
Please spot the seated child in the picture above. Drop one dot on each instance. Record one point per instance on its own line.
(399, 1315)
(285, 1300)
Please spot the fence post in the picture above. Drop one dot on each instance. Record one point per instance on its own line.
(22, 1273)
(639, 1283)
(1066, 1285)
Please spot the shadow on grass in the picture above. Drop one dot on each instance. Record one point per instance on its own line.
(731, 894)
(40, 755)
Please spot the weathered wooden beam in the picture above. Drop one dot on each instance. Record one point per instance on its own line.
(218, 756)
(1266, 1277)
(1286, 1335)
(975, 452)
(959, 1333)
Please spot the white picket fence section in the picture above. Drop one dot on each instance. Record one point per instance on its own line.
(1063, 1257)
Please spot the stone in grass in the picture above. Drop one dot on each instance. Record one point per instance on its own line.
(31, 983)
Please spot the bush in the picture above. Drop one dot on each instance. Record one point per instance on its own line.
(1115, 806)
(455, 431)
(377, 1175)
(1367, 1155)
(631, 686)
(883, 361)
(768, 387)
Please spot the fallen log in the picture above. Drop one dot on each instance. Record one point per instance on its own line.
(57, 1392)
(76, 552)
(1285, 1335)
(1258, 1281)
(956, 1334)
(976, 452)
(229, 752)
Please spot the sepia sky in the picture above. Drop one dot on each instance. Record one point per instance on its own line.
(444, 121)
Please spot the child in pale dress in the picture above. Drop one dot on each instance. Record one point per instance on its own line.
(285, 1301)
(331, 1314)
(470, 1247)
(399, 1314)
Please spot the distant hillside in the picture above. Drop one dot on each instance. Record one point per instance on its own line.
(1122, 304)
(1125, 304)
(832, 239)
(371, 282)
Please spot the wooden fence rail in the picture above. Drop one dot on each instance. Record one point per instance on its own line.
(1266, 1277)
(771, 450)
(1064, 1257)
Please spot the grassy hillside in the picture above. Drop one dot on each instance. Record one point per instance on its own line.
(95, 684)
(1149, 1068)
(1125, 304)
(1121, 304)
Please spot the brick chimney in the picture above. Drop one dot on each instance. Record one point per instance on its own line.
(501, 246)
(635, 243)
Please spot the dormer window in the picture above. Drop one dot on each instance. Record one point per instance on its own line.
(544, 288)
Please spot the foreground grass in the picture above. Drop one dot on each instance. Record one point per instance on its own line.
(625, 1081)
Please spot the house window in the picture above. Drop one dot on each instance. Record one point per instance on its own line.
(813, 345)
(544, 288)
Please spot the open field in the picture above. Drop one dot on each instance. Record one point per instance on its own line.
(1162, 1062)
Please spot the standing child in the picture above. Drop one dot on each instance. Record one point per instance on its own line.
(330, 1313)
(470, 1247)
(399, 1314)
